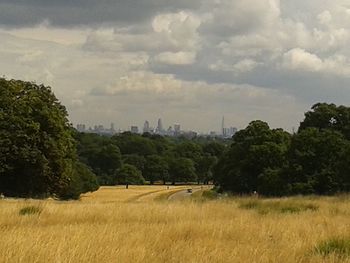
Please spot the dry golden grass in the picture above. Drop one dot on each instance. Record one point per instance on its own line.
(117, 225)
(134, 193)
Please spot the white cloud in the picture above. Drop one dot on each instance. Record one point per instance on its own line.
(77, 103)
(227, 17)
(140, 83)
(241, 66)
(299, 59)
(325, 17)
(176, 58)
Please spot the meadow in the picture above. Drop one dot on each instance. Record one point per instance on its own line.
(140, 224)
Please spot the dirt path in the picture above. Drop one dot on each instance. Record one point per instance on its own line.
(149, 196)
(183, 194)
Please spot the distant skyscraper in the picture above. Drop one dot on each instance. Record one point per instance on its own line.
(233, 130)
(223, 126)
(146, 127)
(160, 126)
(112, 128)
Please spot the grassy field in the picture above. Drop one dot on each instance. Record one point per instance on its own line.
(135, 225)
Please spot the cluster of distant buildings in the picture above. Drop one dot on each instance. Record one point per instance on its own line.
(172, 131)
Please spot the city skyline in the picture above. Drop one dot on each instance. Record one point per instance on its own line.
(171, 129)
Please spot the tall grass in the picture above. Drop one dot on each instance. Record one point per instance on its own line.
(104, 228)
(278, 206)
(339, 247)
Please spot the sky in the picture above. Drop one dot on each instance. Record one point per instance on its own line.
(187, 62)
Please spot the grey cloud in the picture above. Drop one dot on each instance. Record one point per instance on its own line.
(66, 13)
(228, 18)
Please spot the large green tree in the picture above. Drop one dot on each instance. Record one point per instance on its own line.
(182, 170)
(318, 162)
(328, 116)
(129, 174)
(37, 148)
(156, 168)
(254, 150)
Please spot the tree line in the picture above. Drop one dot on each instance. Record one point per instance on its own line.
(273, 162)
(135, 159)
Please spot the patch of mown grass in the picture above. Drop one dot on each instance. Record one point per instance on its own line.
(283, 207)
(30, 210)
(339, 247)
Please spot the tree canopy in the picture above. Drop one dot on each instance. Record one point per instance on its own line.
(273, 162)
(37, 149)
(156, 157)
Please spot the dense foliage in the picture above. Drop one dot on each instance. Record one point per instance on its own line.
(315, 160)
(158, 159)
(37, 149)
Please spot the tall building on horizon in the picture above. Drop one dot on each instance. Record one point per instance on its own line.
(146, 127)
(160, 129)
(112, 128)
(223, 126)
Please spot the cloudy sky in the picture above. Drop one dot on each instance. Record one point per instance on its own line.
(188, 62)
